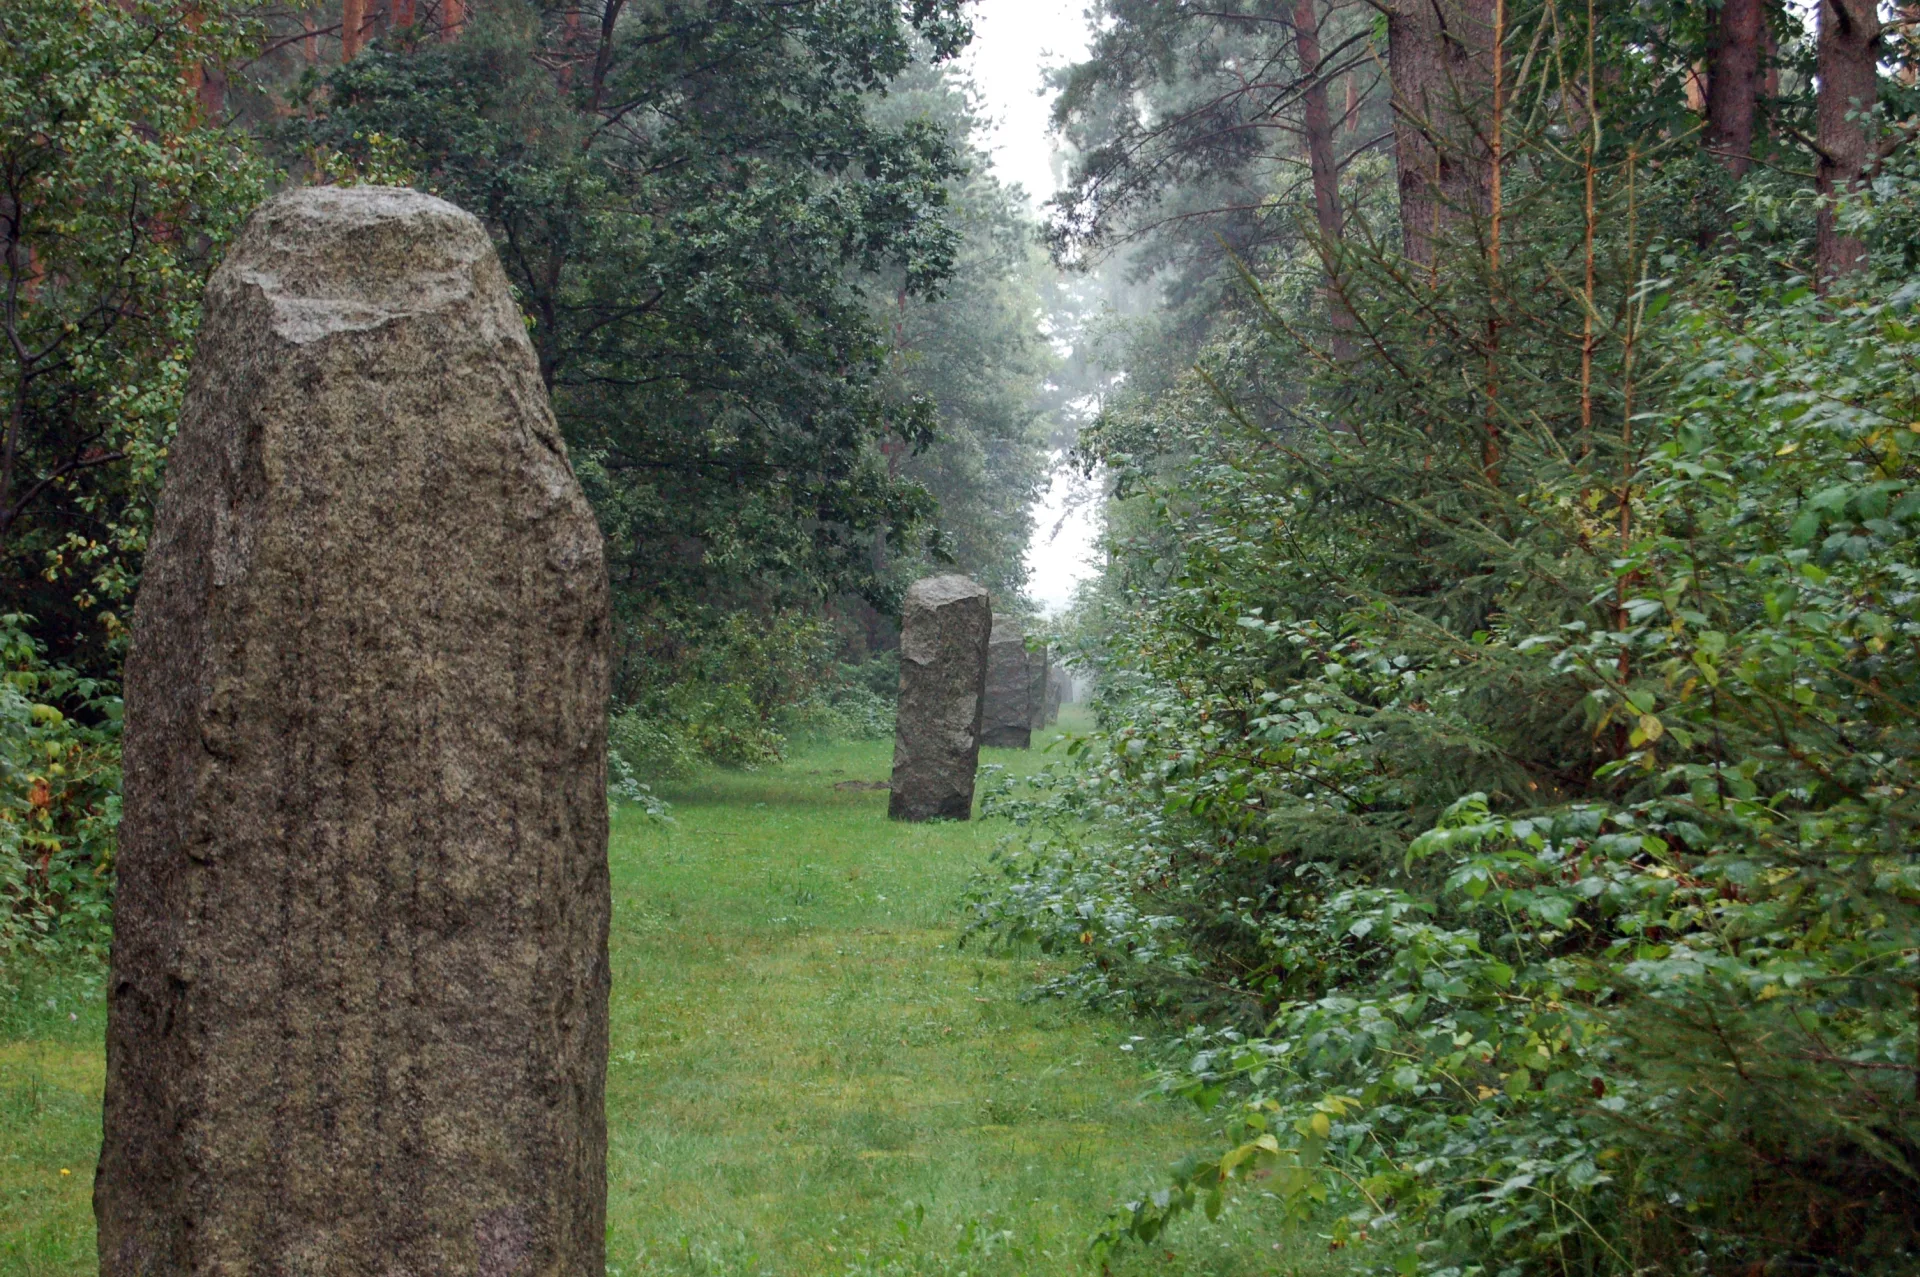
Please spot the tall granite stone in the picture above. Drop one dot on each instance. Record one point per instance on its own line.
(1006, 720)
(944, 628)
(1038, 665)
(357, 1018)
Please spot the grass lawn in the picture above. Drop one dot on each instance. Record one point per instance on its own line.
(808, 1075)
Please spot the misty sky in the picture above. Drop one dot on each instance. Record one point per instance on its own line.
(1014, 40)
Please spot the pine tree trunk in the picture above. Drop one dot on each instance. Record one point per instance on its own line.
(212, 93)
(1320, 158)
(1733, 82)
(207, 83)
(353, 26)
(1849, 50)
(1770, 48)
(1440, 59)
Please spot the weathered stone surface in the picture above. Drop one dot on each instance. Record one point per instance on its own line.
(1038, 666)
(357, 1021)
(944, 628)
(1006, 722)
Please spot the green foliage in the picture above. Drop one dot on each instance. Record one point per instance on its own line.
(1506, 743)
(700, 210)
(686, 202)
(976, 355)
(791, 339)
(625, 785)
(733, 692)
(115, 200)
(854, 703)
(1590, 1036)
(59, 802)
(650, 746)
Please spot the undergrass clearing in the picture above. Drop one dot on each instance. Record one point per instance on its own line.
(808, 1075)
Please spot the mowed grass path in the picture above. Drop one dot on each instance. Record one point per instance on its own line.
(808, 1074)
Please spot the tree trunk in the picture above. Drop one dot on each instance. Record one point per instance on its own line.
(1903, 31)
(1849, 50)
(569, 45)
(1733, 82)
(1440, 59)
(353, 27)
(207, 83)
(212, 92)
(453, 16)
(1770, 81)
(1320, 158)
(1695, 88)
(603, 54)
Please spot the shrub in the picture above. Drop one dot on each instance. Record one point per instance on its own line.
(652, 748)
(855, 704)
(742, 688)
(1562, 916)
(59, 802)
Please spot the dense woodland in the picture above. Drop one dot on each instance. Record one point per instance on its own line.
(788, 318)
(1501, 813)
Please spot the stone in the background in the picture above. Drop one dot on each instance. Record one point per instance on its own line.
(1006, 721)
(944, 629)
(358, 1004)
(1059, 687)
(1038, 666)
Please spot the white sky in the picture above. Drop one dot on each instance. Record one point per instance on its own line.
(1014, 41)
(1063, 551)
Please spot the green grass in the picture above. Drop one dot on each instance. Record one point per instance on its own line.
(808, 1075)
(52, 1023)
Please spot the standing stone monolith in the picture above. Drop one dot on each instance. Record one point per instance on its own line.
(357, 1016)
(1038, 665)
(944, 629)
(1006, 720)
(1059, 684)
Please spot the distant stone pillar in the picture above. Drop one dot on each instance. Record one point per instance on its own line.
(944, 629)
(1037, 667)
(357, 1018)
(1007, 720)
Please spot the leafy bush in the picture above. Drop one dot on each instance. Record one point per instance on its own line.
(121, 195)
(1537, 863)
(855, 704)
(739, 689)
(624, 786)
(654, 748)
(59, 802)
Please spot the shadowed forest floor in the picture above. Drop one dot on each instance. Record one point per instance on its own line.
(808, 1076)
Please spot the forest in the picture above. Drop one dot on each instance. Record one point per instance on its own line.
(1491, 835)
